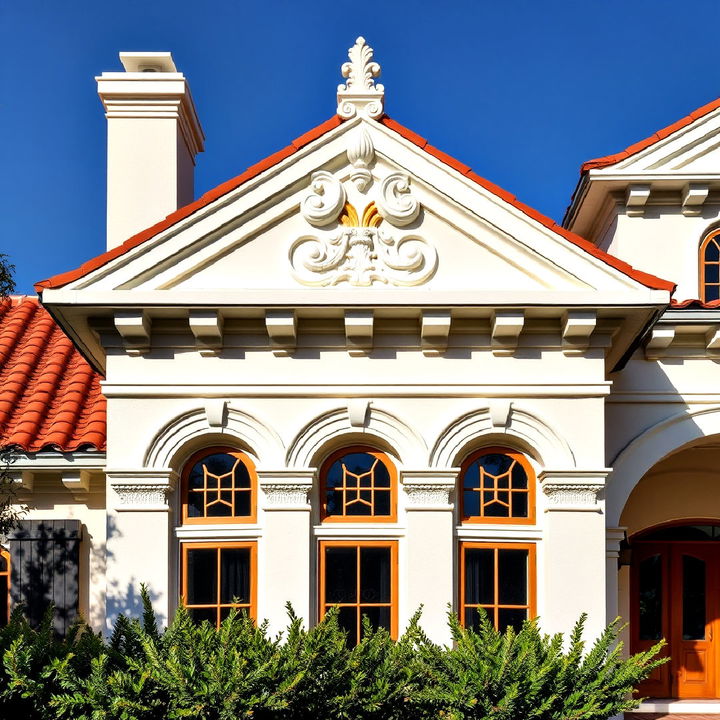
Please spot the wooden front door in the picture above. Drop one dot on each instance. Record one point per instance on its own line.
(675, 596)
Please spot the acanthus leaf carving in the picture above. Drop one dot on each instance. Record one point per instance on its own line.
(326, 200)
(359, 95)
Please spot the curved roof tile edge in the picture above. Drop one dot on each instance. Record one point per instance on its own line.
(646, 279)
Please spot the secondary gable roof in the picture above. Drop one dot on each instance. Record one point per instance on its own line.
(316, 133)
(656, 137)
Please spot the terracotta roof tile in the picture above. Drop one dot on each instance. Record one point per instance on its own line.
(50, 397)
(694, 304)
(643, 278)
(608, 160)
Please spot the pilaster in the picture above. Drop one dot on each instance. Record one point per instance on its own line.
(430, 563)
(286, 554)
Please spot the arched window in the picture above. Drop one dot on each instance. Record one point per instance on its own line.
(219, 486)
(497, 485)
(358, 484)
(710, 267)
(4, 586)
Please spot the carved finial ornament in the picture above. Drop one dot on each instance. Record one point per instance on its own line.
(359, 95)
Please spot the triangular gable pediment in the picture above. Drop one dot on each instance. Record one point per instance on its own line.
(365, 208)
(691, 146)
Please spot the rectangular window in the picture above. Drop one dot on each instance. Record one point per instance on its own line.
(218, 577)
(499, 578)
(361, 579)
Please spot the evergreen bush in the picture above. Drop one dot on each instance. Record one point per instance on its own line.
(196, 672)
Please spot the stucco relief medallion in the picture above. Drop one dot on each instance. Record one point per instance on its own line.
(365, 248)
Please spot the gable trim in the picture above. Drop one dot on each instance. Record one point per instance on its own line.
(661, 134)
(646, 279)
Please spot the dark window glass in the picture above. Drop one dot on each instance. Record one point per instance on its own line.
(235, 575)
(693, 611)
(712, 254)
(472, 618)
(375, 575)
(219, 486)
(357, 484)
(712, 292)
(519, 505)
(201, 576)
(340, 575)
(3, 563)
(200, 614)
(650, 591)
(511, 617)
(479, 576)
(512, 577)
(471, 503)
(711, 273)
(348, 620)
(378, 616)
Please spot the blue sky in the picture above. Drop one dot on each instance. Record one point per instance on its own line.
(522, 92)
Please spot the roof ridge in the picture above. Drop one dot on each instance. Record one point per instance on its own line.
(661, 134)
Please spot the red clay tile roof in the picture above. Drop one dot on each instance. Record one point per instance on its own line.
(694, 304)
(647, 142)
(49, 396)
(643, 278)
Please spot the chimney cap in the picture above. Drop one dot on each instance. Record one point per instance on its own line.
(137, 62)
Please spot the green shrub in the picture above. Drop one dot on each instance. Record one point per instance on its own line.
(196, 672)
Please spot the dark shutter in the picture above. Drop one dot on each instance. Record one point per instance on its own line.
(44, 560)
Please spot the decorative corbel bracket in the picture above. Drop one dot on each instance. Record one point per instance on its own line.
(435, 331)
(636, 197)
(134, 328)
(282, 330)
(659, 341)
(77, 481)
(207, 327)
(359, 331)
(578, 326)
(506, 328)
(694, 196)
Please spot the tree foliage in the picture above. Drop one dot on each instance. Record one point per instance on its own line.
(193, 671)
(7, 272)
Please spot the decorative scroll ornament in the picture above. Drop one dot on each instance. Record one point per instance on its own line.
(396, 203)
(360, 95)
(362, 253)
(361, 153)
(575, 495)
(133, 496)
(325, 201)
(287, 494)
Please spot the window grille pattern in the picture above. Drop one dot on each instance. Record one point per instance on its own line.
(497, 485)
(219, 486)
(358, 484)
(218, 578)
(710, 268)
(499, 579)
(360, 578)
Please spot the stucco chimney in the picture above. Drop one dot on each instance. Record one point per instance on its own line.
(153, 137)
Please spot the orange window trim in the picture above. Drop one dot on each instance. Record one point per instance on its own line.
(392, 545)
(492, 610)
(392, 472)
(713, 237)
(488, 520)
(187, 469)
(251, 607)
(6, 573)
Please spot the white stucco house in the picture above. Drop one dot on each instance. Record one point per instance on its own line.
(361, 374)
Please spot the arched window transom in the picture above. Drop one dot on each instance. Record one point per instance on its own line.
(710, 267)
(497, 485)
(356, 485)
(219, 486)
